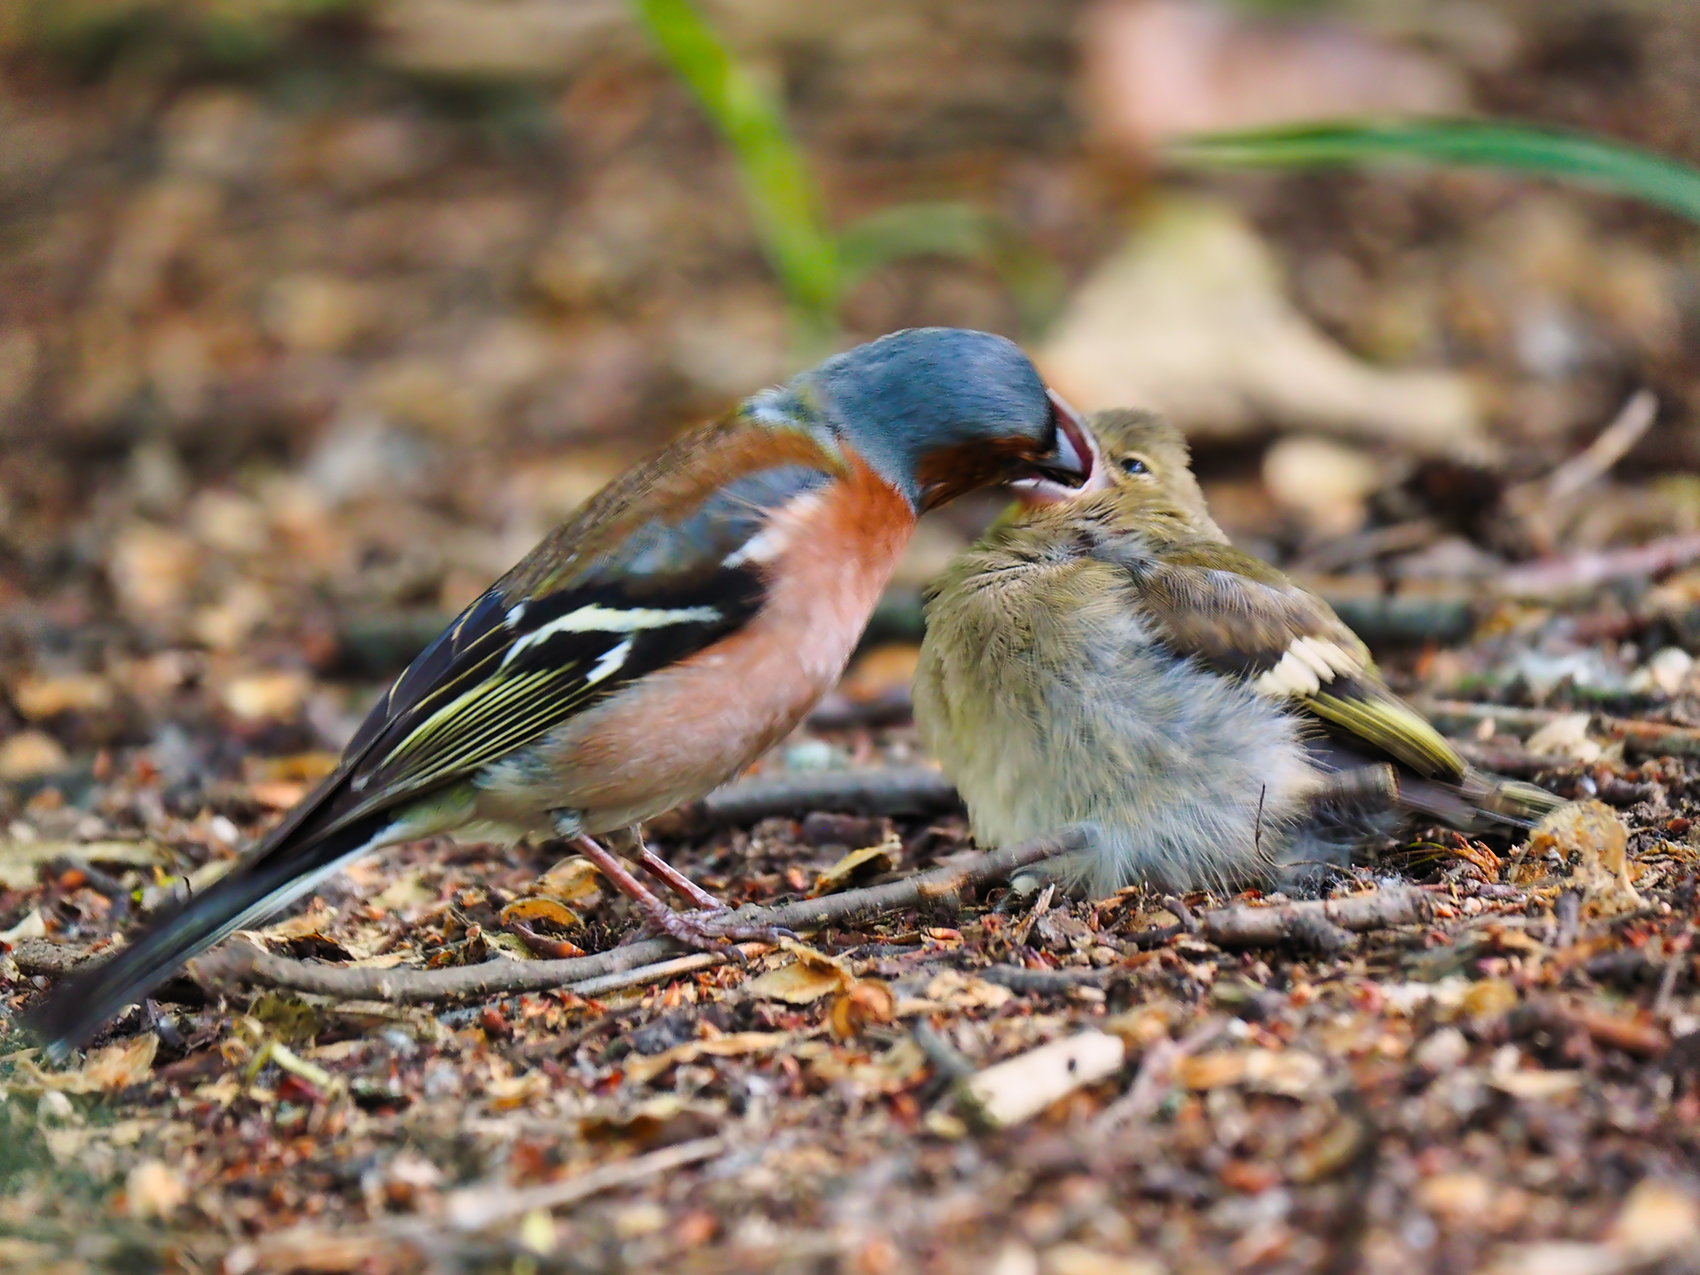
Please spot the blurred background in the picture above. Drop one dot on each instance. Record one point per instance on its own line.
(315, 314)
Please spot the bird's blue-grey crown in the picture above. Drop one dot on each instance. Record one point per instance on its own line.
(938, 411)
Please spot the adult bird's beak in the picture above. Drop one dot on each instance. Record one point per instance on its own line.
(1070, 468)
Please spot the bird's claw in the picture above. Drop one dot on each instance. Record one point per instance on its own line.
(717, 930)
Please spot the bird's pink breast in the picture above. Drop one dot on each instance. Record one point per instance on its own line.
(680, 732)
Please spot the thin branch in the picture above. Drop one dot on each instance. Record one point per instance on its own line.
(914, 791)
(1317, 923)
(1641, 738)
(1613, 444)
(475, 1208)
(1044, 982)
(1149, 1085)
(662, 970)
(1579, 572)
(243, 963)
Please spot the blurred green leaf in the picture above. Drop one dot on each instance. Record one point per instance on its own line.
(1570, 157)
(776, 180)
(953, 230)
(913, 230)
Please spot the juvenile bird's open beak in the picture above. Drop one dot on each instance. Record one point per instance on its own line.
(1072, 466)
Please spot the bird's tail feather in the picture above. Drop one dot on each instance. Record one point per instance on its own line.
(1480, 802)
(274, 877)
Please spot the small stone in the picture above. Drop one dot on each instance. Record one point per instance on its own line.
(39, 698)
(154, 1190)
(1456, 1195)
(266, 696)
(30, 754)
(1659, 1220)
(1442, 1050)
(1077, 1259)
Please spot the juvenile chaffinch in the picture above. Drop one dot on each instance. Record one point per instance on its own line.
(654, 645)
(1105, 658)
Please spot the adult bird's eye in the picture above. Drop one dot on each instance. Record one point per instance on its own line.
(1134, 465)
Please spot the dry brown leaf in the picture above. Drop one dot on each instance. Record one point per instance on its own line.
(38, 698)
(1287, 1071)
(955, 990)
(805, 980)
(866, 1003)
(1490, 998)
(858, 865)
(1658, 1220)
(21, 860)
(1565, 736)
(533, 908)
(315, 921)
(735, 1045)
(117, 1066)
(881, 671)
(30, 754)
(1591, 832)
(406, 891)
(266, 696)
(154, 1189)
(1191, 318)
(1537, 1086)
(1077, 1259)
(572, 880)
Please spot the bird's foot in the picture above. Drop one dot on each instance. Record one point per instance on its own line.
(716, 930)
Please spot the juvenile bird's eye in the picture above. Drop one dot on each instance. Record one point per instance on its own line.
(1134, 465)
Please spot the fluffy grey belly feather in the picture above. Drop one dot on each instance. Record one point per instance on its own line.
(1183, 779)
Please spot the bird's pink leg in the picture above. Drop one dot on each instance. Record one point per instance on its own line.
(709, 929)
(671, 877)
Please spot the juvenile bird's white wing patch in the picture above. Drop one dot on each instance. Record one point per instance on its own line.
(1307, 665)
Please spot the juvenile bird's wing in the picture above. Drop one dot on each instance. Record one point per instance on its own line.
(1243, 617)
(652, 571)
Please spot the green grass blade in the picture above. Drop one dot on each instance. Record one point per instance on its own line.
(1570, 157)
(783, 201)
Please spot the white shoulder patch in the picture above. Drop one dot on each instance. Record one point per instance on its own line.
(775, 537)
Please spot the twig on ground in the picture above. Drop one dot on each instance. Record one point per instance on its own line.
(1146, 1092)
(949, 1062)
(1610, 1031)
(1548, 578)
(1417, 611)
(1363, 546)
(1182, 913)
(476, 1207)
(1543, 503)
(1018, 979)
(1320, 923)
(662, 970)
(245, 963)
(468, 1209)
(1641, 738)
(910, 791)
(1595, 461)
(837, 712)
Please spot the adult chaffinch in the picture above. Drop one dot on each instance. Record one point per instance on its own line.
(1105, 658)
(682, 622)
